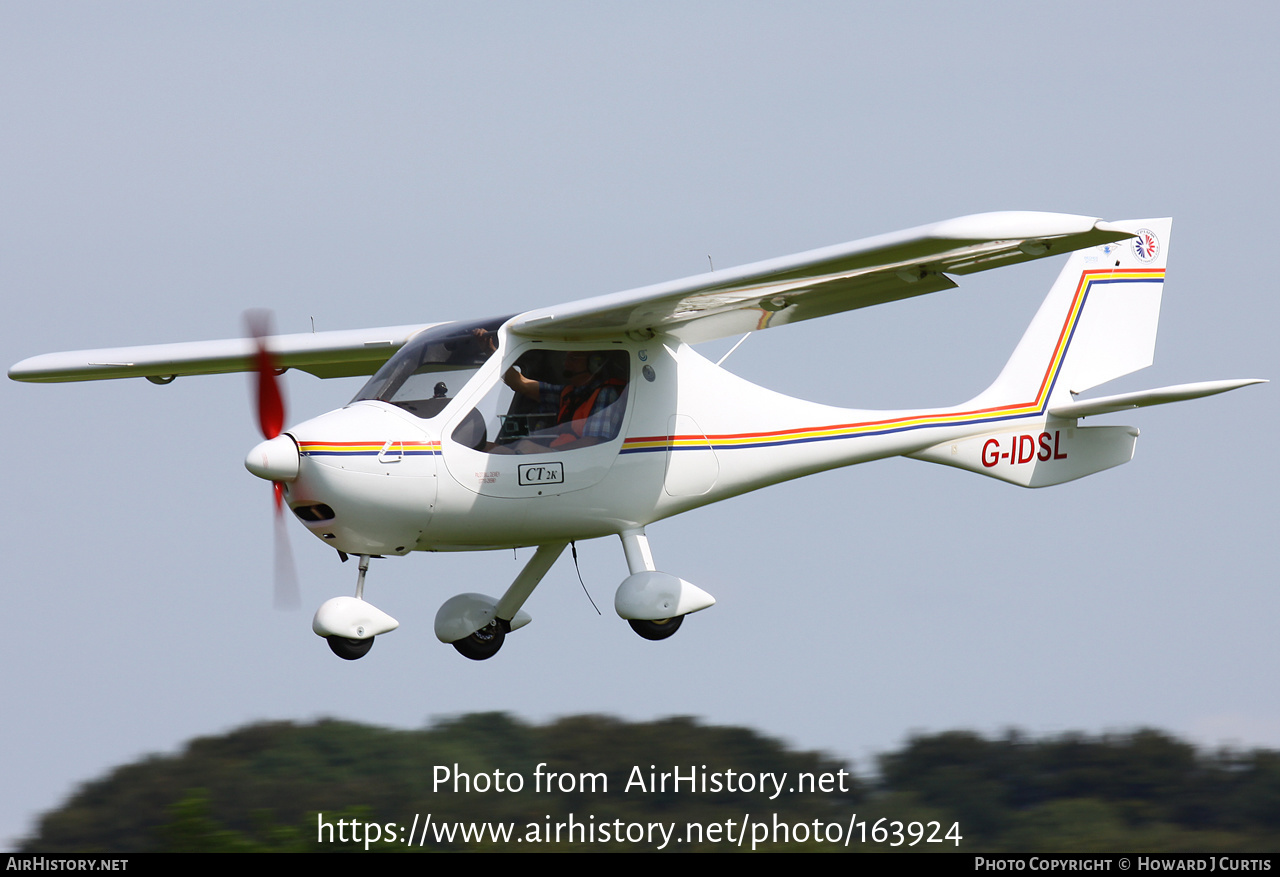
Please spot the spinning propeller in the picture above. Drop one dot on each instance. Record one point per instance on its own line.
(276, 458)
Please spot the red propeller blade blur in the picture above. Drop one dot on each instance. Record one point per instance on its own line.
(270, 399)
(271, 422)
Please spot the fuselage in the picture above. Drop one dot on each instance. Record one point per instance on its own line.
(377, 477)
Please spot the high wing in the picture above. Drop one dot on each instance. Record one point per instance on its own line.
(820, 282)
(731, 301)
(335, 354)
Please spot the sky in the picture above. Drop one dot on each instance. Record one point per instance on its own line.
(164, 167)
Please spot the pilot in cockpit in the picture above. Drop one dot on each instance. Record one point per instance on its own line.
(584, 406)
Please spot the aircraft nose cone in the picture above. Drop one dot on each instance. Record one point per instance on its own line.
(274, 460)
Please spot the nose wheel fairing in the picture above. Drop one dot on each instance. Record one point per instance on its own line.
(351, 618)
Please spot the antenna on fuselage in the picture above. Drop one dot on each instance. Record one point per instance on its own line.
(573, 547)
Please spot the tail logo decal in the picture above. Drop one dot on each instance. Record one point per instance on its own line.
(1146, 246)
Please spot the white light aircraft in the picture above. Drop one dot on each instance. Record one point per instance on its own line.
(596, 418)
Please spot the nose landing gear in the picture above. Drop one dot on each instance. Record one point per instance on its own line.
(349, 624)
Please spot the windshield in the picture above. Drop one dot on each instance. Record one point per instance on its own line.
(424, 375)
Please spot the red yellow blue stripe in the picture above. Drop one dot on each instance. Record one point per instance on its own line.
(367, 449)
(1033, 407)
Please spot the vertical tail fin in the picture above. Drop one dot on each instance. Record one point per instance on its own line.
(1097, 323)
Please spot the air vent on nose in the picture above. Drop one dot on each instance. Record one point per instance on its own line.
(313, 513)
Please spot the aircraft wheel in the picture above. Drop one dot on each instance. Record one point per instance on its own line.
(481, 645)
(656, 630)
(349, 649)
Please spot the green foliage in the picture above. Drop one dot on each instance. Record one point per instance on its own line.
(1139, 791)
(277, 787)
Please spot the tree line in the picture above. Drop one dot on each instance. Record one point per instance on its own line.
(271, 786)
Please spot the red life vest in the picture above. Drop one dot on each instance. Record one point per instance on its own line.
(574, 412)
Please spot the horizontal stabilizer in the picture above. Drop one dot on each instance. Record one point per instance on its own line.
(1161, 396)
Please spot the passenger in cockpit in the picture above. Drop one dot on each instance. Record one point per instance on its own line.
(585, 405)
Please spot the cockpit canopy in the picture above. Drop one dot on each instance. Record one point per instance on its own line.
(424, 375)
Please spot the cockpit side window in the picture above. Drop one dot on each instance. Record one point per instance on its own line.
(551, 401)
(427, 373)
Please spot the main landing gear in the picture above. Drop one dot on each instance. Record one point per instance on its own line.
(654, 603)
(483, 644)
(477, 625)
(656, 630)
